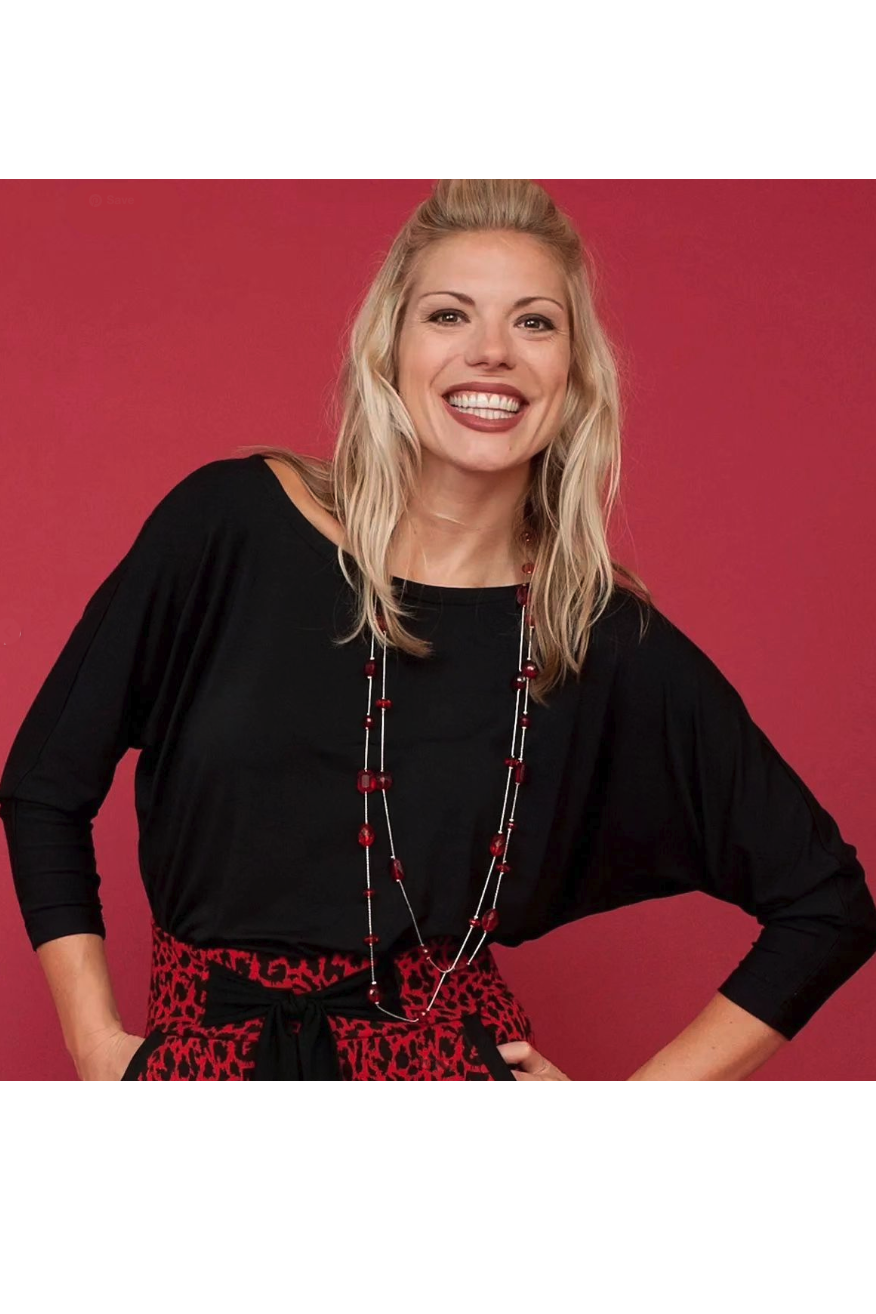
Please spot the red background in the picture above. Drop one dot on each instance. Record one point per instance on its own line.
(150, 326)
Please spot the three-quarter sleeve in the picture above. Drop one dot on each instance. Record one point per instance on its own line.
(700, 799)
(114, 670)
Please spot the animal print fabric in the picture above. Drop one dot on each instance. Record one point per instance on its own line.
(474, 1012)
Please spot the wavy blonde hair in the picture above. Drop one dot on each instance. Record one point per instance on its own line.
(368, 482)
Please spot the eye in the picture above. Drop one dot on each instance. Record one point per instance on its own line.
(438, 315)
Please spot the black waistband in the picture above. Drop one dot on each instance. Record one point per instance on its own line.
(310, 1053)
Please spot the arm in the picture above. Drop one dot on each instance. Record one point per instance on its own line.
(76, 970)
(722, 1043)
(695, 797)
(109, 690)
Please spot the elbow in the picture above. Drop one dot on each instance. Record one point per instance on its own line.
(860, 923)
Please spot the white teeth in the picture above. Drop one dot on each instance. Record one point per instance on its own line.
(483, 412)
(483, 401)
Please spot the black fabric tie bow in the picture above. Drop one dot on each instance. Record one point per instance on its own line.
(310, 1053)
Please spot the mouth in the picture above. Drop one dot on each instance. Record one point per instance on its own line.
(486, 412)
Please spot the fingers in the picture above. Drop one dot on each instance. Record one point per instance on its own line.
(520, 1051)
(535, 1067)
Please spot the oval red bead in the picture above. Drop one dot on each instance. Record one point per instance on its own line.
(366, 835)
(383, 702)
(528, 567)
(497, 845)
(490, 920)
(371, 666)
(523, 720)
(511, 824)
(368, 891)
(521, 773)
(396, 870)
(529, 669)
(370, 939)
(511, 761)
(519, 682)
(474, 921)
(424, 950)
(383, 780)
(522, 594)
(503, 867)
(368, 721)
(374, 993)
(366, 782)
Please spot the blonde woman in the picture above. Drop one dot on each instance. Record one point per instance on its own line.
(398, 705)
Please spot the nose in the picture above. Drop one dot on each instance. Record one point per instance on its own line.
(490, 345)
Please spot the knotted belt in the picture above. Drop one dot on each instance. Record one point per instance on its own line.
(310, 1053)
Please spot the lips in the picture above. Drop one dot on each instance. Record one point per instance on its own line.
(478, 423)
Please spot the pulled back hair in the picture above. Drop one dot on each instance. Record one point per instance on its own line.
(374, 470)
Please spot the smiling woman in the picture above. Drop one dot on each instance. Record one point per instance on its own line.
(399, 705)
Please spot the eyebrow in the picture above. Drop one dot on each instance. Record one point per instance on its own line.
(469, 301)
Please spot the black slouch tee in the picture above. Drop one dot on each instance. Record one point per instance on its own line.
(208, 648)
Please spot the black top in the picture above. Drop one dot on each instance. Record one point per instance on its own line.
(209, 648)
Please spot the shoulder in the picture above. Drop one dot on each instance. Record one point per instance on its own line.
(661, 670)
(205, 497)
(199, 509)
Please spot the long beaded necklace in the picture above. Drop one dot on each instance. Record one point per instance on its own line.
(380, 781)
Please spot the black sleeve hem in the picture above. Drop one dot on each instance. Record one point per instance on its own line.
(57, 922)
(848, 950)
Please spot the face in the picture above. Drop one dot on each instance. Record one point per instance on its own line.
(464, 334)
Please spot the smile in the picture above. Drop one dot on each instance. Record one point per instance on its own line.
(487, 419)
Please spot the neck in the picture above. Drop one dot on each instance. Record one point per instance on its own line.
(458, 531)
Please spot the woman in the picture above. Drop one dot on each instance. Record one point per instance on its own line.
(395, 706)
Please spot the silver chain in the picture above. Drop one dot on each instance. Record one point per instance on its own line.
(370, 782)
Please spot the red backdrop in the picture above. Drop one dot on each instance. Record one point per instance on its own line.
(150, 326)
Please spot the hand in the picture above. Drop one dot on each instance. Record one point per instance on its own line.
(107, 1055)
(535, 1066)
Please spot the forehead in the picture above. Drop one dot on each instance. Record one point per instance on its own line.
(487, 260)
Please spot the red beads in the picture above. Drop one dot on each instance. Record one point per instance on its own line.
(396, 870)
(368, 781)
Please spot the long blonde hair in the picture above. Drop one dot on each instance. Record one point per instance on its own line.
(368, 482)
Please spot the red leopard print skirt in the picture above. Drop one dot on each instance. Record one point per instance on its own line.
(456, 1040)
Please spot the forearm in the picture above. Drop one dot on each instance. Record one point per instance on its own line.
(723, 1043)
(76, 970)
